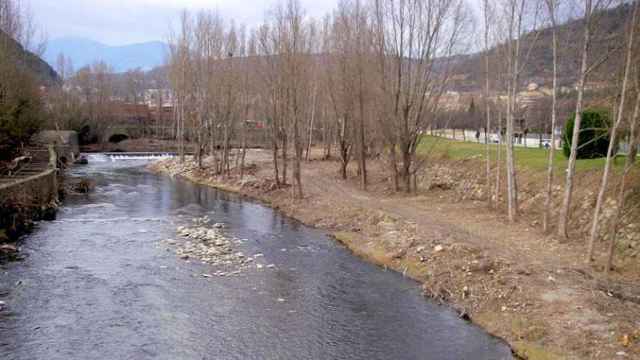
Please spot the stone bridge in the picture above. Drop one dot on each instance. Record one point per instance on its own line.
(118, 133)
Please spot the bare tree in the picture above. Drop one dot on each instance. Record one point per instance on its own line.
(520, 17)
(634, 137)
(179, 76)
(18, 22)
(64, 67)
(286, 42)
(340, 83)
(552, 8)
(498, 161)
(135, 85)
(486, 11)
(409, 37)
(590, 8)
(361, 48)
(269, 39)
(296, 50)
(247, 52)
(613, 143)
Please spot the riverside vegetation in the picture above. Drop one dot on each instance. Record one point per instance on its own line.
(511, 279)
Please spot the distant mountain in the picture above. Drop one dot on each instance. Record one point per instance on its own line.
(42, 72)
(122, 58)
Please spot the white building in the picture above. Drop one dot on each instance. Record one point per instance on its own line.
(155, 97)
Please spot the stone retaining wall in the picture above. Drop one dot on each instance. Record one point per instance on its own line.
(26, 200)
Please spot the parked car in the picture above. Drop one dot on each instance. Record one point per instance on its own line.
(545, 143)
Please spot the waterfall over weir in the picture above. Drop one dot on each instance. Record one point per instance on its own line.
(107, 157)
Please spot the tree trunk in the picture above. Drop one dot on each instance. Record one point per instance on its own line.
(362, 145)
(311, 123)
(225, 152)
(181, 131)
(498, 162)
(629, 164)
(394, 167)
(406, 169)
(284, 158)
(276, 173)
(343, 170)
(554, 101)
(297, 145)
(512, 201)
(486, 99)
(244, 148)
(199, 153)
(563, 220)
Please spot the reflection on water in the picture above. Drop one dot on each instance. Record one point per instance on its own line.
(96, 284)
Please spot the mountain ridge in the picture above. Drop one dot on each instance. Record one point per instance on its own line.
(84, 52)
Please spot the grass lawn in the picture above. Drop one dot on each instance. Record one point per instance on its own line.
(532, 158)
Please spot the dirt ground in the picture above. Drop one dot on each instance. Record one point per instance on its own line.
(532, 290)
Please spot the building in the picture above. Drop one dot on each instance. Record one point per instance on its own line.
(155, 98)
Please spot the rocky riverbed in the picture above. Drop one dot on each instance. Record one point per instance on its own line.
(209, 244)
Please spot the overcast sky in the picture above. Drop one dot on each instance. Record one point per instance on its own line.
(119, 22)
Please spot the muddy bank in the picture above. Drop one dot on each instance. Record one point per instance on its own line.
(527, 289)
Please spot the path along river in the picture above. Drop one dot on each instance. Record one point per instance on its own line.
(98, 283)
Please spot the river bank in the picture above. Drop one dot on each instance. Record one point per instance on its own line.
(24, 201)
(532, 291)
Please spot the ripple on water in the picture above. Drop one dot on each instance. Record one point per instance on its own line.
(111, 220)
(97, 206)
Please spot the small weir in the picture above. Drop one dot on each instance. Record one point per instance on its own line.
(102, 157)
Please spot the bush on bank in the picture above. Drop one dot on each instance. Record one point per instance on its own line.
(21, 108)
(593, 141)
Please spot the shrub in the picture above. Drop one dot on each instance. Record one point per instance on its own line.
(593, 141)
(21, 110)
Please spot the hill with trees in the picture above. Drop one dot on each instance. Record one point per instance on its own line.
(610, 24)
(32, 63)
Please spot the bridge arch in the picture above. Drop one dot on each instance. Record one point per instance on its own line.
(116, 135)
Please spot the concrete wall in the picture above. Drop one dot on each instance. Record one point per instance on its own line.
(36, 196)
(37, 190)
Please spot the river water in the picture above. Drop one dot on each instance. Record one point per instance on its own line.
(97, 283)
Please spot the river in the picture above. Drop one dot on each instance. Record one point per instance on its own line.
(98, 283)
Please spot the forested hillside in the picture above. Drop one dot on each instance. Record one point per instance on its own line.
(610, 25)
(41, 71)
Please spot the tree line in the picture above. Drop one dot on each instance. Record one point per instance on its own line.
(21, 107)
(370, 77)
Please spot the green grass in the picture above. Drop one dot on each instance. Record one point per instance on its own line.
(531, 158)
